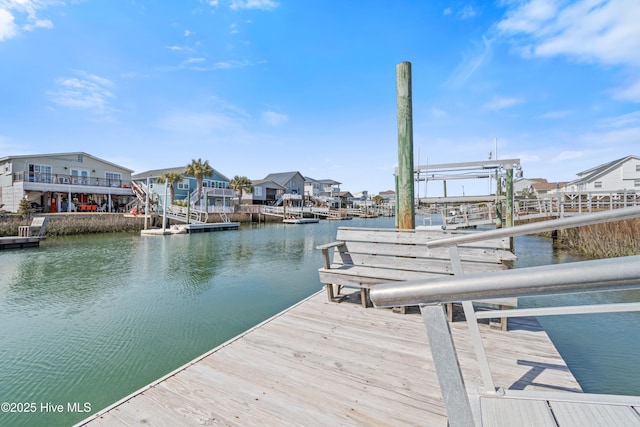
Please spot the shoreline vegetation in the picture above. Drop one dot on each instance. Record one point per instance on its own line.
(595, 241)
(613, 239)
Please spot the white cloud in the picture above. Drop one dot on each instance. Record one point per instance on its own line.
(8, 27)
(16, 14)
(601, 31)
(438, 113)
(471, 62)
(189, 122)
(567, 155)
(447, 11)
(274, 119)
(253, 4)
(622, 121)
(467, 12)
(40, 23)
(559, 114)
(498, 103)
(630, 92)
(86, 92)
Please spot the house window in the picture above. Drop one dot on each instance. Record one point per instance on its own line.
(40, 173)
(79, 176)
(184, 185)
(80, 158)
(637, 168)
(113, 178)
(597, 184)
(636, 183)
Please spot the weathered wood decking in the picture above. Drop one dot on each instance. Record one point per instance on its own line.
(319, 363)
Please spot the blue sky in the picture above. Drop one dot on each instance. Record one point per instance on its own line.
(261, 86)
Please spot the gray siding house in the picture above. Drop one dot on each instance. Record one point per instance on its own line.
(64, 182)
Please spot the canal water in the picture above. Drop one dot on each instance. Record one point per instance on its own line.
(86, 320)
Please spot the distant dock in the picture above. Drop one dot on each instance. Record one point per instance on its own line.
(301, 221)
(16, 242)
(334, 364)
(191, 228)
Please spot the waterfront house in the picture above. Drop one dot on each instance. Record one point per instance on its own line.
(265, 192)
(64, 182)
(322, 192)
(617, 176)
(389, 197)
(345, 199)
(293, 182)
(361, 199)
(215, 198)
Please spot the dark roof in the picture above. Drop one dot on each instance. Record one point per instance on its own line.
(265, 181)
(282, 177)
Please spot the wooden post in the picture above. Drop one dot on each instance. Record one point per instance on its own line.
(509, 207)
(509, 191)
(395, 208)
(498, 202)
(404, 196)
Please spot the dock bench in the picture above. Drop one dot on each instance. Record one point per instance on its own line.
(365, 257)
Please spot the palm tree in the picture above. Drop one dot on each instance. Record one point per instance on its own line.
(199, 169)
(240, 184)
(171, 178)
(378, 199)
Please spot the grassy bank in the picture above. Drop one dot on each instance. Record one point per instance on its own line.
(604, 240)
(70, 224)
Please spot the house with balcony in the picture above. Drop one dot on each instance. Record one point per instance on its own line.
(322, 192)
(361, 200)
(64, 182)
(292, 184)
(216, 195)
(265, 192)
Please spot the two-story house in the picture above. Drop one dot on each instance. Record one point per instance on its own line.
(64, 182)
(216, 195)
(323, 192)
(614, 177)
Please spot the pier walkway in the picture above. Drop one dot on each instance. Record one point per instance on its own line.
(319, 363)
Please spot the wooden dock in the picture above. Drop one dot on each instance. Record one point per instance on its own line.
(191, 228)
(17, 242)
(322, 363)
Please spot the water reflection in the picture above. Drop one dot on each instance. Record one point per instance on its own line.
(596, 347)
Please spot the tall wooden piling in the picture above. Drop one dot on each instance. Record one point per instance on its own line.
(509, 196)
(404, 195)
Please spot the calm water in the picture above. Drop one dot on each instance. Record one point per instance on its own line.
(87, 320)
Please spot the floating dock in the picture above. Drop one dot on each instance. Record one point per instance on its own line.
(301, 221)
(335, 364)
(191, 228)
(16, 242)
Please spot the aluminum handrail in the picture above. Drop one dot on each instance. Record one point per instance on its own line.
(539, 227)
(584, 276)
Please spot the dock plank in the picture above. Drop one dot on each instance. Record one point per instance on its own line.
(333, 364)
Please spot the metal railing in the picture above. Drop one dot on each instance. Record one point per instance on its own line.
(612, 274)
(50, 178)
